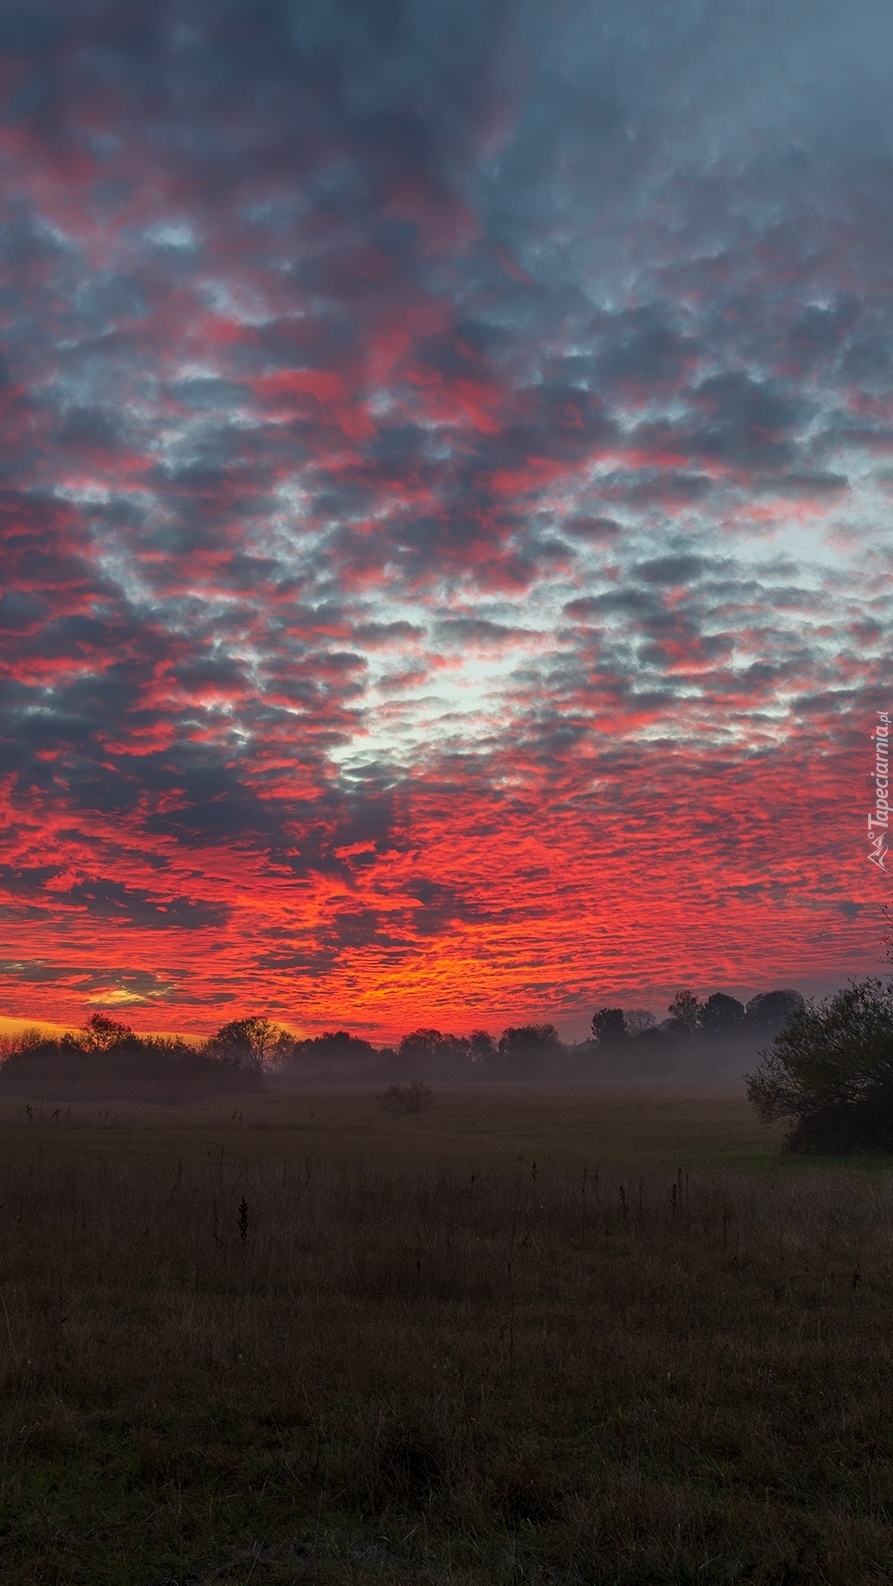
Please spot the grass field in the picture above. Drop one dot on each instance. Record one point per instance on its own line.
(474, 1125)
(569, 1335)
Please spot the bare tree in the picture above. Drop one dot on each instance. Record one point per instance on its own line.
(638, 1020)
(252, 1043)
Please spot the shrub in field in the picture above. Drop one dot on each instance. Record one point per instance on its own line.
(406, 1098)
(830, 1072)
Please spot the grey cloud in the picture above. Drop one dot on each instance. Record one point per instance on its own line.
(820, 331)
(599, 531)
(37, 973)
(89, 427)
(409, 677)
(614, 600)
(802, 484)
(26, 31)
(644, 350)
(309, 959)
(26, 880)
(868, 360)
(141, 983)
(477, 630)
(355, 927)
(670, 569)
(111, 900)
(374, 634)
(206, 393)
(747, 422)
(664, 486)
(440, 904)
(20, 611)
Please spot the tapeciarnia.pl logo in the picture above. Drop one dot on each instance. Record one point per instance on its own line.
(878, 823)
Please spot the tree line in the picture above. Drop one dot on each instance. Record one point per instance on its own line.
(108, 1060)
(106, 1057)
(719, 1018)
(827, 1071)
(523, 1051)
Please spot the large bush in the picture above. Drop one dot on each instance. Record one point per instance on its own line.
(830, 1072)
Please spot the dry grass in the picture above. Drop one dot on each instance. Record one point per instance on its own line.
(403, 1373)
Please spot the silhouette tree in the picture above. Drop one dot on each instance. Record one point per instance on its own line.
(638, 1021)
(830, 1071)
(608, 1027)
(251, 1043)
(334, 1048)
(481, 1047)
(420, 1049)
(101, 1034)
(683, 1011)
(770, 1011)
(434, 1053)
(527, 1049)
(721, 1017)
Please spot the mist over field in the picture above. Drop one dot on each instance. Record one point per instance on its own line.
(106, 1059)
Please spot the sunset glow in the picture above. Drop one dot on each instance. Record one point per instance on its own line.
(447, 467)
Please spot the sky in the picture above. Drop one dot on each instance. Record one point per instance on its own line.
(446, 465)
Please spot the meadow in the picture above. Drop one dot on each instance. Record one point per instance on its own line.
(570, 1335)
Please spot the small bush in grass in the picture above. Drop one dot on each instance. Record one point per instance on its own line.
(406, 1098)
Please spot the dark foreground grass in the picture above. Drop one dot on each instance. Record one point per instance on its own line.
(412, 1371)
